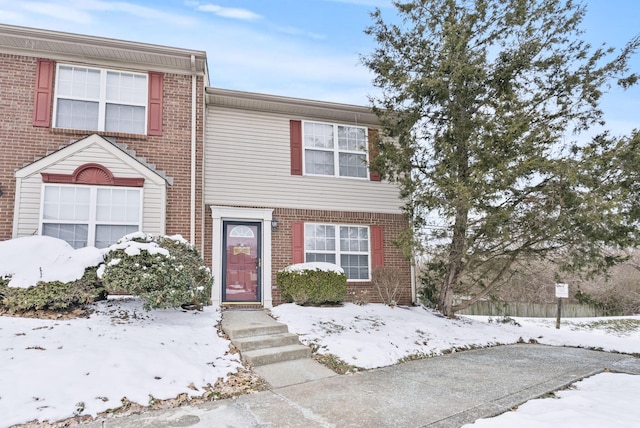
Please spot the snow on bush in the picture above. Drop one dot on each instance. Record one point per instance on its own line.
(165, 271)
(312, 283)
(321, 266)
(31, 259)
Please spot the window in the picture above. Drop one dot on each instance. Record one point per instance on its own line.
(100, 100)
(90, 215)
(336, 150)
(345, 246)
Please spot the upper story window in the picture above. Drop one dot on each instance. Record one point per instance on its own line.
(335, 150)
(100, 100)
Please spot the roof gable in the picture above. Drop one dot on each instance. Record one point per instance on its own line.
(117, 151)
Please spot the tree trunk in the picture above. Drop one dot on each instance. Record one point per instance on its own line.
(454, 264)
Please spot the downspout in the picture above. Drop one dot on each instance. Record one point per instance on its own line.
(414, 299)
(194, 81)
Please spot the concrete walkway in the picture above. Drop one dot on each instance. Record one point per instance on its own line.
(446, 391)
(277, 356)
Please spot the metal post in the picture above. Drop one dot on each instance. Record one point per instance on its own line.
(559, 312)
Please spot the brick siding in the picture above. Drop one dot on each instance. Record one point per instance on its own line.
(21, 143)
(281, 247)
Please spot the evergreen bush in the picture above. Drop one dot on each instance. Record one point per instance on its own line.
(53, 295)
(165, 272)
(312, 284)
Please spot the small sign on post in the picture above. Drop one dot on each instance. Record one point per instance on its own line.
(562, 292)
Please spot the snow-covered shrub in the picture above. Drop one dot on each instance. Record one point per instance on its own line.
(165, 271)
(4, 283)
(312, 283)
(53, 295)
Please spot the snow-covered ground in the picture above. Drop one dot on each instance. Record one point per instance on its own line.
(604, 400)
(375, 335)
(53, 369)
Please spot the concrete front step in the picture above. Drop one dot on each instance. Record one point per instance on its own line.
(261, 339)
(239, 324)
(251, 343)
(261, 357)
(249, 331)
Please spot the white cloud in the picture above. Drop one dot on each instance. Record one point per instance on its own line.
(226, 12)
(136, 10)
(65, 12)
(81, 11)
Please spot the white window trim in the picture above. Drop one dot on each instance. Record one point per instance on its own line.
(92, 222)
(102, 101)
(336, 151)
(338, 252)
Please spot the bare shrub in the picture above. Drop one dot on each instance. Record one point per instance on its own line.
(360, 297)
(386, 282)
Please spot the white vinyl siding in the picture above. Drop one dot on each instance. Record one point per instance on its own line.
(247, 163)
(29, 188)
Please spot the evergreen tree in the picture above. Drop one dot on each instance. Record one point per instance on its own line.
(483, 104)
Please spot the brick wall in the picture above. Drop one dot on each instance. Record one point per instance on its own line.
(21, 143)
(281, 249)
(393, 225)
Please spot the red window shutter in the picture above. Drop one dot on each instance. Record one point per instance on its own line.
(44, 93)
(377, 247)
(297, 233)
(154, 122)
(296, 147)
(373, 152)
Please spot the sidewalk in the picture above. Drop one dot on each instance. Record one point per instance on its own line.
(446, 391)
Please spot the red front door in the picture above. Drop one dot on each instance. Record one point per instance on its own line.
(241, 262)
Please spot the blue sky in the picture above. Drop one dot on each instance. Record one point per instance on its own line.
(300, 48)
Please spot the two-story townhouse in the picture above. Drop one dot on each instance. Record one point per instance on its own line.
(103, 137)
(99, 137)
(287, 181)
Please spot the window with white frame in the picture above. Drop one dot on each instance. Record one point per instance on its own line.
(344, 245)
(90, 215)
(336, 150)
(100, 100)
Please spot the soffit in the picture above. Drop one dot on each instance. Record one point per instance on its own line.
(98, 50)
(296, 107)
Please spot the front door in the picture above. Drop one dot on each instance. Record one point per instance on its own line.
(241, 262)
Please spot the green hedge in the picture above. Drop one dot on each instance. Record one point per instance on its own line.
(312, 287)
(54, 295)
(166, 272)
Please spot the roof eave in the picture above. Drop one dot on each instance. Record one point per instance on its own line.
(296, 107)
